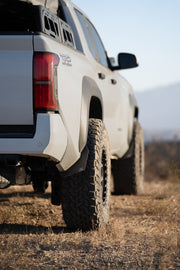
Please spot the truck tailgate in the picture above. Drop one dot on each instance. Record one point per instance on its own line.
(16, 82)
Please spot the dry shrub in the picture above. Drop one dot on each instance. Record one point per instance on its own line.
(162, 160)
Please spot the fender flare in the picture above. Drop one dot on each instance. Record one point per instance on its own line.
(135, 111)
(89, 90)
(133, 103)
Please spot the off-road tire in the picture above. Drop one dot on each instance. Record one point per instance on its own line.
(128, 173)
(86, 196)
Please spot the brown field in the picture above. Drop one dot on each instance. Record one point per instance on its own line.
(143, 231)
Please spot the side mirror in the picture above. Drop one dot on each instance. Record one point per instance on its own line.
(125, 61)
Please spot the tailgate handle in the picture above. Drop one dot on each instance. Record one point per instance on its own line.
(101, 76)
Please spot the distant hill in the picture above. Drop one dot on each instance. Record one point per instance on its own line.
(160, 111)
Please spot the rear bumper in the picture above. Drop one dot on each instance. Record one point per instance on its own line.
(50, 139)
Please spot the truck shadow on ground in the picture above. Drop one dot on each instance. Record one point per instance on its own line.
(28, 194)
(21, 229)
(33, 205)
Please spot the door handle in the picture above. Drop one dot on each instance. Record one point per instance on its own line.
(113, 81)
(101, 76)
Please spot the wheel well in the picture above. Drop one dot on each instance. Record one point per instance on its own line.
(95, 110)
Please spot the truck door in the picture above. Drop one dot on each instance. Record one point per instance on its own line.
(113, 88)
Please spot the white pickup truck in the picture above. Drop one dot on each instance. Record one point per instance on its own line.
(66, 114)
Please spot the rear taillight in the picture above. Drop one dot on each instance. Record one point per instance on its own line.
(45, 81)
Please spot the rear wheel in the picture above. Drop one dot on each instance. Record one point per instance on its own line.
(128, 174)
(86, 196)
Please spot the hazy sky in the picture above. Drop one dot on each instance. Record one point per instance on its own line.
(148, 28)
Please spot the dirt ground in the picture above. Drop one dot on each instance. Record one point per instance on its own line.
(143, 232)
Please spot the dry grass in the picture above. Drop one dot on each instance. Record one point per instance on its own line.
(143, 231)
(163, 160)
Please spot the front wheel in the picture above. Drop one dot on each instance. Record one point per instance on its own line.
(128, 174)
(86, 196)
